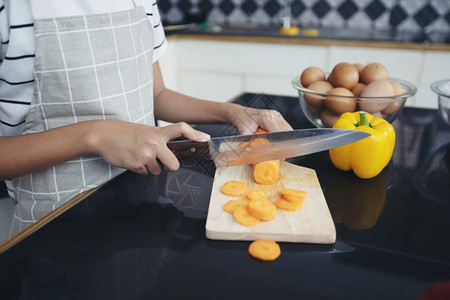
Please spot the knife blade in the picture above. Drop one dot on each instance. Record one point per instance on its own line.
(242, 149)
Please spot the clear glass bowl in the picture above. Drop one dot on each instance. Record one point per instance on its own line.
(442, 89)
(316, 106)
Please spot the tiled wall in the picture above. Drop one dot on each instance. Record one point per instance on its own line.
(403, 15)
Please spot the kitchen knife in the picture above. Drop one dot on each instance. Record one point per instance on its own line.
(241, 149)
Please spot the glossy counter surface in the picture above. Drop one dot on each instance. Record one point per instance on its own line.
(138, 239)
(320, 36)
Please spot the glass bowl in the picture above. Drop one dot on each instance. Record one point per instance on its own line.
(442, 89)
(323, 109)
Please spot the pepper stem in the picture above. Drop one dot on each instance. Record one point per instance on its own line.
(363, 120)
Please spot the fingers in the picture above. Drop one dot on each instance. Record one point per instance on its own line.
(183, 129)
(275, 122)
(250, 119)
(164, 155)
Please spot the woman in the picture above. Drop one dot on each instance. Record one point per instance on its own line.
(80, 88)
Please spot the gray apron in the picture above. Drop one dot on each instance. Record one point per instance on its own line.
(86, 67)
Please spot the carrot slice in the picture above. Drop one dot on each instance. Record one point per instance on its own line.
(258, 141)
(266, 172)
(257, 194)
(292, 192)
(234, 188)
(243, 217)
(288, 205)
(265, 250)
(231, 205)
(291, 198)
(262, 209)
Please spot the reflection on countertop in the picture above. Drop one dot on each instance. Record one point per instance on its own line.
(322, 33)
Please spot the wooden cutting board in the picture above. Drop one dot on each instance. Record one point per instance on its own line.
(311, 224)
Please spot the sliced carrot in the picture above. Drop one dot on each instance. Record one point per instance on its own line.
(257, 194)
(262, 209)
(258, 141)
(243, 217)
(234, 188)
(266, 172)
(292, 192)
(265, 250)
(231, 205)
(291, 198)
(288, 205)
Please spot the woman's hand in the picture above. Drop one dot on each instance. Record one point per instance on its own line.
(138, 147)
(247, 120)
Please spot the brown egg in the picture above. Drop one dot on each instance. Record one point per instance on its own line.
(358, 67)
(344, 75)
(328, 118)
(330, 78)
(315, 110)
(379, 88)
(340, 105)
(394, 106)
(398, 88)
(358, 88)
(312, 74)
(318, 86)
(377, 115)
(374, 72)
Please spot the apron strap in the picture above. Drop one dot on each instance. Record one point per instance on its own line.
(39, 9)
(137, 3)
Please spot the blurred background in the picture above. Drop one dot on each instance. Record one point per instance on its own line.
(431, 16)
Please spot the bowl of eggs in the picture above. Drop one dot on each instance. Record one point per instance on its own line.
(324, 97)
(442, 89)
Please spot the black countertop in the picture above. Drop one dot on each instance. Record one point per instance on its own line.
(141, 239)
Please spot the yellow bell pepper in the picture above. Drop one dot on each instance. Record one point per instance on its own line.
(367, 157)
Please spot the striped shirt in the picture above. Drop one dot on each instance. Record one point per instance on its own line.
(18, 50)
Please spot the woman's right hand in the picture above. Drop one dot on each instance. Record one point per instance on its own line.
(138, 147)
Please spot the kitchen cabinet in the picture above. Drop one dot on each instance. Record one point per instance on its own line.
(221, 69)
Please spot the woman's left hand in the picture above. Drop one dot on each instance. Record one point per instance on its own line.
(247, 120)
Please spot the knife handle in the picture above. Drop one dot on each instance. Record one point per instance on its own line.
(189, 149)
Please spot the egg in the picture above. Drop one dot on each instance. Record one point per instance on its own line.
(378, 88)
(398, 88)
(340, 105)
(358, 67)
(312, 74)
(374, 72)
(358, 88)
(328, 118)
(318, 86)
(377, 114)
(395, 106)
(315, 110)
(344, 75)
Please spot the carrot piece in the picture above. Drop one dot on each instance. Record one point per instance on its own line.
(234, 188)
(292, 192)
(262, 209)
(266, 172)
(291, 198)
(243, 217)
(258, 141)
(257, 194)
(265, 250)
(231, 205)
(288, 205)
